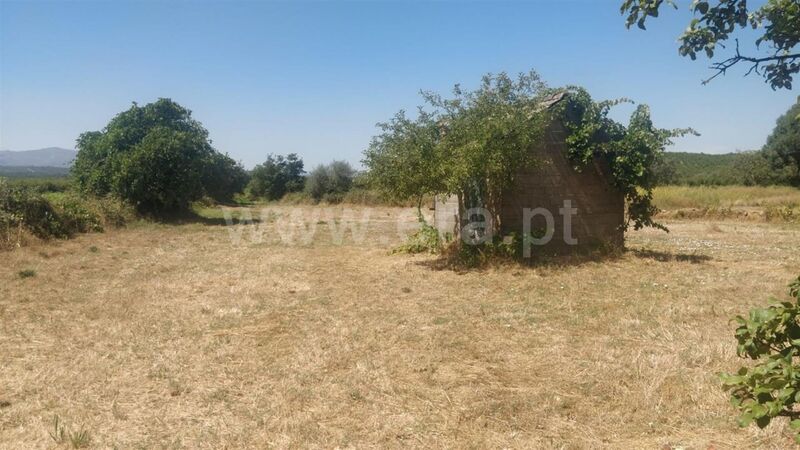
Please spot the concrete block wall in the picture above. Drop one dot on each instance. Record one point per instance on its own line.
(600, 214)
(445, 216)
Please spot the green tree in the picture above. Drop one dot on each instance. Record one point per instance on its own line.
(486, 136)
(783, 145)
(330, 182)
(770, 388)
(163, 172)
(632, 152)
(755, 169)
(474, 144)
(277, 176)
(665, 171)
(777, 21)
(156, 157)
(470, 145)
(403, 159)
(224, 177)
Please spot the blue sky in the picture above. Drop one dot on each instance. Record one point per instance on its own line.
(314, 77)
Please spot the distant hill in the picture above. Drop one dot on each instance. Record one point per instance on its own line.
(45, 157)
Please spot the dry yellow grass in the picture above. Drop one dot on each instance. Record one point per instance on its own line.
(750, 203)
(169, 336)
(676, 197)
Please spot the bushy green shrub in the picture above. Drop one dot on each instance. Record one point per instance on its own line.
(425, 240)
(162, 173)
(330, 182)
(475, 143)
(771, 387)
(157, 158)
(23, 210)
(224, 178)
(276, 177)
(783, 145)
(76, 216)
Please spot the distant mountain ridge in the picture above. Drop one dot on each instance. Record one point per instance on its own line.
(44, 157)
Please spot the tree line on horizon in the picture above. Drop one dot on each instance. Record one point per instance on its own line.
(160, 159)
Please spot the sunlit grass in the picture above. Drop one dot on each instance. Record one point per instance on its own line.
(677, 197)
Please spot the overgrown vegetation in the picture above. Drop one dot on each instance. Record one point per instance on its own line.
(470, 145)
(156, 157)
(783, 145)
(771, 387)
(330, 182)
(276, 177)
(24, 210)
(631, 152)
(474, 144)
(425, 240)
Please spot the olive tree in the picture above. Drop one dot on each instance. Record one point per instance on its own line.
(330, 182)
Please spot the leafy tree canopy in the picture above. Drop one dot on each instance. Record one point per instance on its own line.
(783, 145)
(469, 144)
(770, 388)
(276, 176)
(474, 144)
(777, 21)
(402, 159)
(330, 182)
(632, 152)
(157, 157)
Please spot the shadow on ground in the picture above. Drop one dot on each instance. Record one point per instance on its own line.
(668, 256)
(452, 263)
(192, 217)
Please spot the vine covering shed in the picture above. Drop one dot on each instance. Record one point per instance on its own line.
(587, 210)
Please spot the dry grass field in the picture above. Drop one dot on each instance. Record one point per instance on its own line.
(170, 336)
(749, 203)
(677, 197)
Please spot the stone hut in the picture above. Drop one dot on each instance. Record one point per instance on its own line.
(581, 208)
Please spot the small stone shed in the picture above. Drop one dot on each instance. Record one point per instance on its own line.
(600, 208)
